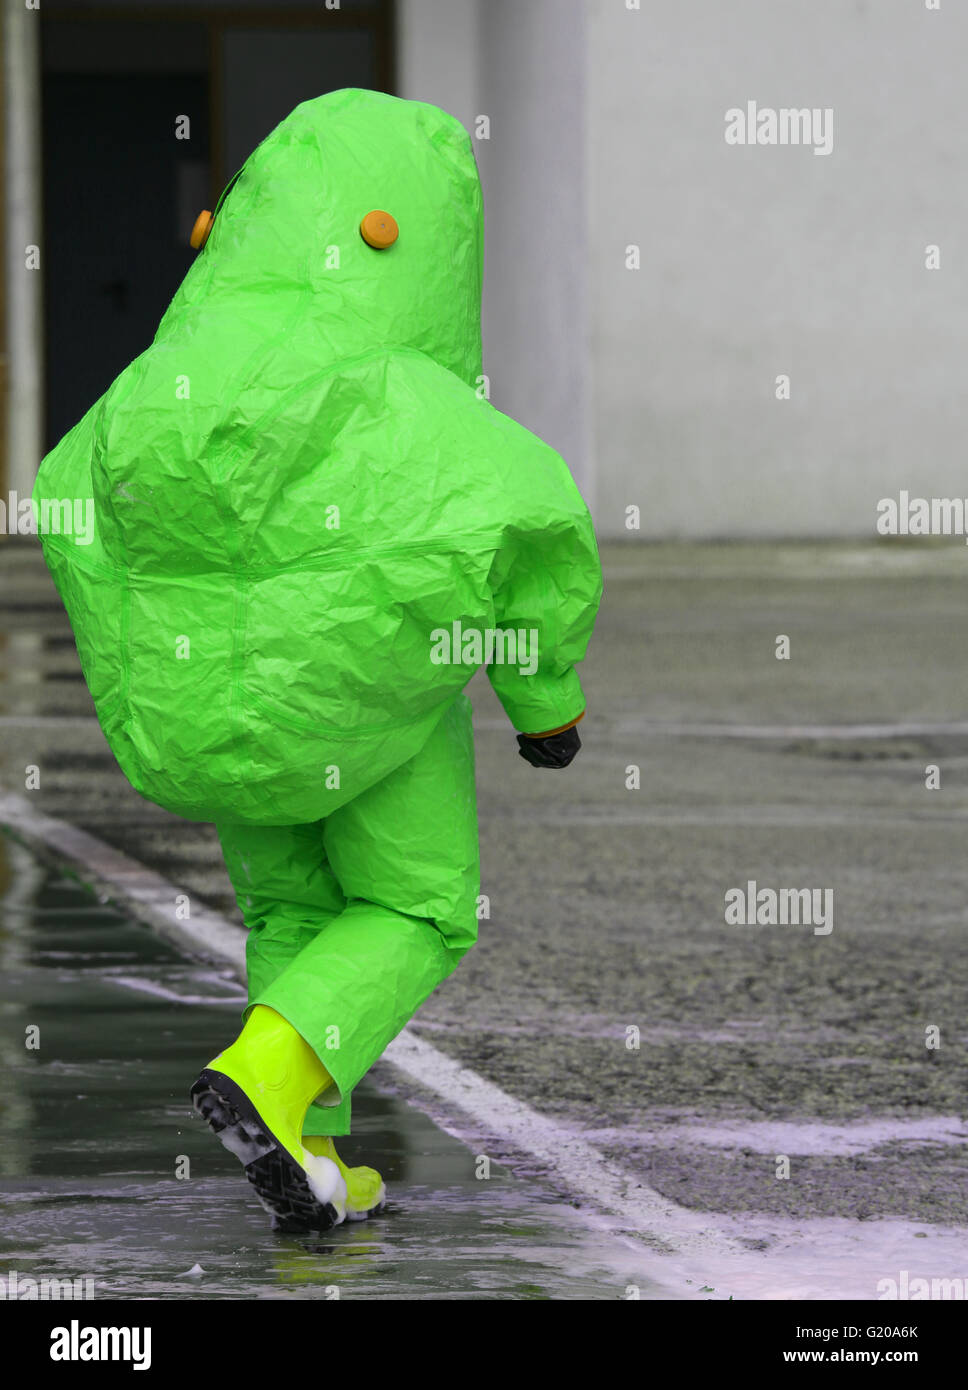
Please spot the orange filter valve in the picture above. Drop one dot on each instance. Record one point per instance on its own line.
(201, 229)
(379, 230)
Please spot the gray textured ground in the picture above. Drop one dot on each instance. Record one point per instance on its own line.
(607, 903)
(106, 1176)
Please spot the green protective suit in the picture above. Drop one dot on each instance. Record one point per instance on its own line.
(308, 519)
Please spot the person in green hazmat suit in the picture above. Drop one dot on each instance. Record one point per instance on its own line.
(311, 528)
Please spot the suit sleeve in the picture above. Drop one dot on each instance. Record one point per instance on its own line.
(547, 587)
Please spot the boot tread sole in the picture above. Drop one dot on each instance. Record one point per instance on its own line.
(280, 1183)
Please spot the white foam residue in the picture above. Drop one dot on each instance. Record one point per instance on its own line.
(790, 1137)
(325, 1180)
(829, 1258)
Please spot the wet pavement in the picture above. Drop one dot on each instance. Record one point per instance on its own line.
(105, 1176)
(607, 901)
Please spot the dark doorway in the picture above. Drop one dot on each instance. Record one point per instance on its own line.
(118, 189)
(121, 191)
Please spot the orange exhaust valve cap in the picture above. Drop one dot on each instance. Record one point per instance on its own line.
(379, 229)
(201, 229)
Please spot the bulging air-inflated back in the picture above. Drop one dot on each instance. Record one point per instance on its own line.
(300, 481)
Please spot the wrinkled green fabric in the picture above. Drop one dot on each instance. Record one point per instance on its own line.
(236, 642)
(355, 920)
(296, 486)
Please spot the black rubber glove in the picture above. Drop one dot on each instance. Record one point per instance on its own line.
(557, 750)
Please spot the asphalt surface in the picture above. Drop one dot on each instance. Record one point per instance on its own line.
(107, 1178)
(607, 903)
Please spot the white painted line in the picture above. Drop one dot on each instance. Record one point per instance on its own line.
(581, 1168)
(746, 817)
(644, 727)
(48, 721)
(911, 729)
(660, 729)
(145, 894)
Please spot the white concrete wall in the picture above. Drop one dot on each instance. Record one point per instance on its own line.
(764, 260)
(22, 445)
(438, 55)
(658, 385)
(534, 176)
(521, 65)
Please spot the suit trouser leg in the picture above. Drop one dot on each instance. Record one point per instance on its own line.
(287, 893)
(356, 920)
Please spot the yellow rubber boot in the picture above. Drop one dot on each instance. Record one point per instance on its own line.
(254, 1096)
(366, 1193)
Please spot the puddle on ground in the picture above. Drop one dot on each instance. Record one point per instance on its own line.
(95, 1127)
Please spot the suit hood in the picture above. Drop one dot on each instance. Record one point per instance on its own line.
(287, 230)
